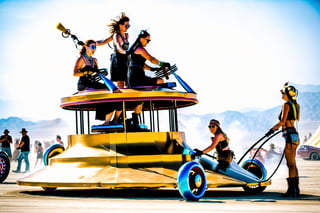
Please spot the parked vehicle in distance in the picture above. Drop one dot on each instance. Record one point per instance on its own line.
(308, 152)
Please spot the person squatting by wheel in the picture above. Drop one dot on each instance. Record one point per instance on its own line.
(220, 142)
(289, 114)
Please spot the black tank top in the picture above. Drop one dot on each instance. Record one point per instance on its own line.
(221, 145)
(291, 113)
(137, 60)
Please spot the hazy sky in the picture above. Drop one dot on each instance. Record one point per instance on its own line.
(234, 54)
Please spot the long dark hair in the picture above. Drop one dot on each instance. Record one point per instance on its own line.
(114, 26)
(137, 43)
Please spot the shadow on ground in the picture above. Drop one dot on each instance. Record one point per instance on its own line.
(163, 194)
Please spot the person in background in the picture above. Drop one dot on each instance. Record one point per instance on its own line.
(6, 140)
(289, 114)
(16, 151)
(84, 67)
(39, 152)
(24, 146)
(58, 139)
(119, 59)
(220, 142)
(136, 75)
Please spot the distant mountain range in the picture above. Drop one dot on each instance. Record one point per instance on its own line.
(257, 121)
(260, 120)
(41, 130)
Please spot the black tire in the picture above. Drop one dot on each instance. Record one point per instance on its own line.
(49, 188)
(256, 168)
(4, 166)
(314, 156)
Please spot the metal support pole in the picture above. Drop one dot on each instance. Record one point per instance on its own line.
(88, 121)
(124, 116)
(77, 130)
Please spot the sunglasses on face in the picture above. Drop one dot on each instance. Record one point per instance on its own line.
(211, 126)
(93, 47)
(127, 26)
(148, 40)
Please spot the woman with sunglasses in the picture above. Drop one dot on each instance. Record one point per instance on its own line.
(289, 114)
(220, 142)
(119, 59)
(139, 55)
(136, 75)
(85, 66)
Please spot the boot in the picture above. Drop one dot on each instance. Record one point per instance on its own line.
(290, 188)
(135, 122)
(296, 190)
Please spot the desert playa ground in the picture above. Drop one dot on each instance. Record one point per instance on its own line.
(15, 198)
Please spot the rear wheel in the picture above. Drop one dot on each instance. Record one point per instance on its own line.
(314, 156)
(255, 167)
(52, 151)
(192, 182)
(4, 166)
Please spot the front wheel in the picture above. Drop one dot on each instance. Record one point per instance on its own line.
(53, 150)
(255, 167)
(192, 182)
(4, 166)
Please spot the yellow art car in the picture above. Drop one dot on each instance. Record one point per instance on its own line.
(155, 156)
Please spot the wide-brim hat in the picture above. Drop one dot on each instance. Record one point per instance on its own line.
(6, 131)
(23, 130)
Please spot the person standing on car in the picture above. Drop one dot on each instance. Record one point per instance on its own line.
(289, 114)
(6, 140)
(136, 75)
(24, 146)
(119, 59)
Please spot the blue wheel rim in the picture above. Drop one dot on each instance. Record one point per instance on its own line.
(53, 150)
(259, 165)
(192, 182)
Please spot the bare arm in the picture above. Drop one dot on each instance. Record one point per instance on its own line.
(79, 64)
(21, 144)
(214, 142)
(105, 41)
(143, 52)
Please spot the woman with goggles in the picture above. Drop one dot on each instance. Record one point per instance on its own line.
(289, 114)
(85, 66)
